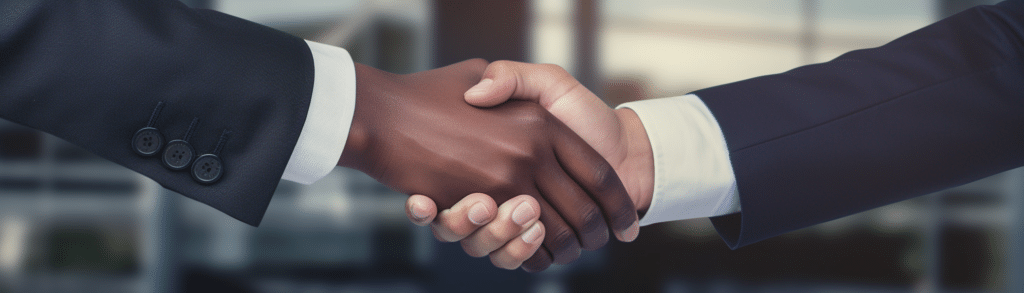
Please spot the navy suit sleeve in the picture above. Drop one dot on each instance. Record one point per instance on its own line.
(92, 71)
(937, 108)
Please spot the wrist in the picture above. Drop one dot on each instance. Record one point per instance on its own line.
(360, 132)
(353, 156)
(637, 168)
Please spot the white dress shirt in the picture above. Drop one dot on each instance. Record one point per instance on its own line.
(693, 177)
(329, 116)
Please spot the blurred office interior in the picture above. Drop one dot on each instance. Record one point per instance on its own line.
(72, 222)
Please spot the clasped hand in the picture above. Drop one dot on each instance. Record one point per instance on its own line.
(416, 134)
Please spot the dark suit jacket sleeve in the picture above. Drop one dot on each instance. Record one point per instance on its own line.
(937, 108)
(92, 71)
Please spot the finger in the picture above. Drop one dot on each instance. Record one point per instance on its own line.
(464, 217)
(553, 88)
(499, 83)
(539, 83)
(575, 206)
(515, 252)
(559, 240)
(596, 176)
(514, 216)
(540, 261)
(420, 209)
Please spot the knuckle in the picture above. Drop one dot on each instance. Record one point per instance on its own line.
(503, 263)
(623, 215)
(523, 161)
(593, 219)
(565, 247)
(566, 81)
(501, 65)
(448, 237)
(564, 240)
(535, 267)
(501, 181)
(488, 238)
(446, 231)
(511, 177)
(500, 232)
(595, 230)
(438, 235)
(554, 69)
(473, 250)
(536, 263)
(530, 116)
(519, 254)
(604, 178)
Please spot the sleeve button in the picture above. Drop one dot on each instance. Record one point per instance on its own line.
(178, 155)
(147, 141)
(207, 169)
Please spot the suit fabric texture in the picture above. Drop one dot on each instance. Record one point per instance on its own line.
(92, 72)
(939, 107)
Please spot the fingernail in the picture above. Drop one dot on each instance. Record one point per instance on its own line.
(481, 87)
(523, 213)
(533, 234)
(478, 214)
(418, 212)
(632, 232)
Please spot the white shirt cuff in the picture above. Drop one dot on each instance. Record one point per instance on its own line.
(693, 176)
(329, 117)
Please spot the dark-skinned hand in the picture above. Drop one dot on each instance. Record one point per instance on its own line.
(416, 134)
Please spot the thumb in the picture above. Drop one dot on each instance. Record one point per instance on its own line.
(546, 84)
(557, 91)
(498, 85)
(420, 209)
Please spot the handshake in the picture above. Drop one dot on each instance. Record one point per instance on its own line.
(936, 108)
(564, 166)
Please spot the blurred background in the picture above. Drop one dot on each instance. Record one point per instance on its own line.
(71, 222)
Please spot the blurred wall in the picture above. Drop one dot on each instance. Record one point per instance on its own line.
(71, 222)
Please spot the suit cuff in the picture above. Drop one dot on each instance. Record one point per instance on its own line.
(329, 117)
(693, 176)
